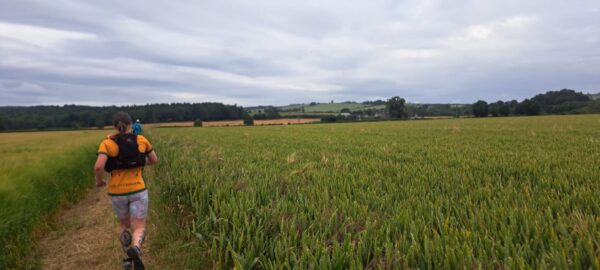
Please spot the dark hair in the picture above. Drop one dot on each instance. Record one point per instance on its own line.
(121, 121)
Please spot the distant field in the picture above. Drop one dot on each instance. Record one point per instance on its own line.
(496, 193)
(282, 121)
(39, 171)
(22, 150)
(332, 107)
(286, 121)
(222, 123)
(170, 124)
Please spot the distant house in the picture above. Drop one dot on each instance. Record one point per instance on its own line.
(346, 115)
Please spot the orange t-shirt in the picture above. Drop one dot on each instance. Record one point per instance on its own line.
(124, 181)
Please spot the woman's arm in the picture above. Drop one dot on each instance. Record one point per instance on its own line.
(99, 170)
(151, 158)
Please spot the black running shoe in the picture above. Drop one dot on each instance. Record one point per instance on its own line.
(135, 254)
(125, 239)
(127, 264)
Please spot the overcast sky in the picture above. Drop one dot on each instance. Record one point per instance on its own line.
(280, 52)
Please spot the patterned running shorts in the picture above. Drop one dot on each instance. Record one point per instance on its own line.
(131, 206)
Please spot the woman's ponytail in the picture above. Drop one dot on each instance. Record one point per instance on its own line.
(122, 121)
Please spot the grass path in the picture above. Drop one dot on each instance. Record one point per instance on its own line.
(86, 237)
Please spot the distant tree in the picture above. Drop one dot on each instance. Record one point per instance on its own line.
(345, 110)
(558, 97)
(100, 124)
(563, 101)
(248, 121)
(512, 105)
(395, 107)
(198, 123)
(528, 107)
(480, 108)
(499, 108)
(74, 116)
(268, 113)
(328, 119)
(503, 108)
(2, 124)
(494, 109)
(312, 104)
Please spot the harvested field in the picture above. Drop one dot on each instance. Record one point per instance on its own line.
(166, 124)
(286, 121)
(170, 124)
(223, 123)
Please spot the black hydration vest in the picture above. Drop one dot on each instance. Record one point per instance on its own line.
(129, 154)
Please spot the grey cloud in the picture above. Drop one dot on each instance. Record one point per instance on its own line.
(266, 52)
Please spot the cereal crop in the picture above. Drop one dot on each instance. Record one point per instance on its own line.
(499, 193)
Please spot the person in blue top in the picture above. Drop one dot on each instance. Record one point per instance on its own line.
(137, 127)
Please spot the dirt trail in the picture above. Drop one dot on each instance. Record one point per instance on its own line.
(86, 237)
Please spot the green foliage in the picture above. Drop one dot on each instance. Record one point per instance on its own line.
(73, 116)
(35, 192)
(554, 101)
(498, 193)
(499, 108)
(248, 120)
(197, 123)
(480, 109)
(314, 107)
(328, 119)
(439, 109)
(345, 110)
(337, 118)
(100, 124)
(267, 113)
(395, 107)
(528, 107)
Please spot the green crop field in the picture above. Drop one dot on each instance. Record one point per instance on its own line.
(519, 192)
(39, 171)
(333, 107)
(499, 193)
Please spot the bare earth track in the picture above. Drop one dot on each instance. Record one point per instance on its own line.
(86, 237)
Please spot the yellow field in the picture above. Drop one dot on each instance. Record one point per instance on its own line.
(39, 172)
(223, 123)
(21, 149)
(286, 121)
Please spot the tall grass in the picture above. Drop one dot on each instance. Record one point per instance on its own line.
(35, 187)
(458, 193)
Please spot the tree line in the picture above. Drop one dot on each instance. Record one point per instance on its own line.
(76, 116)
(565, 101)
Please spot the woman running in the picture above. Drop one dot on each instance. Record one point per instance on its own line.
(124, 155)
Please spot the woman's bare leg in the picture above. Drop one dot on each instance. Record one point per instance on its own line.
(138, 226)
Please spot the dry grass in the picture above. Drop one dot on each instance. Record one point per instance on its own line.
(86, 237)
(286, 121)
(283, 121)
(167, 124)
(170, 124)
(223, 123)
(20, 149)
